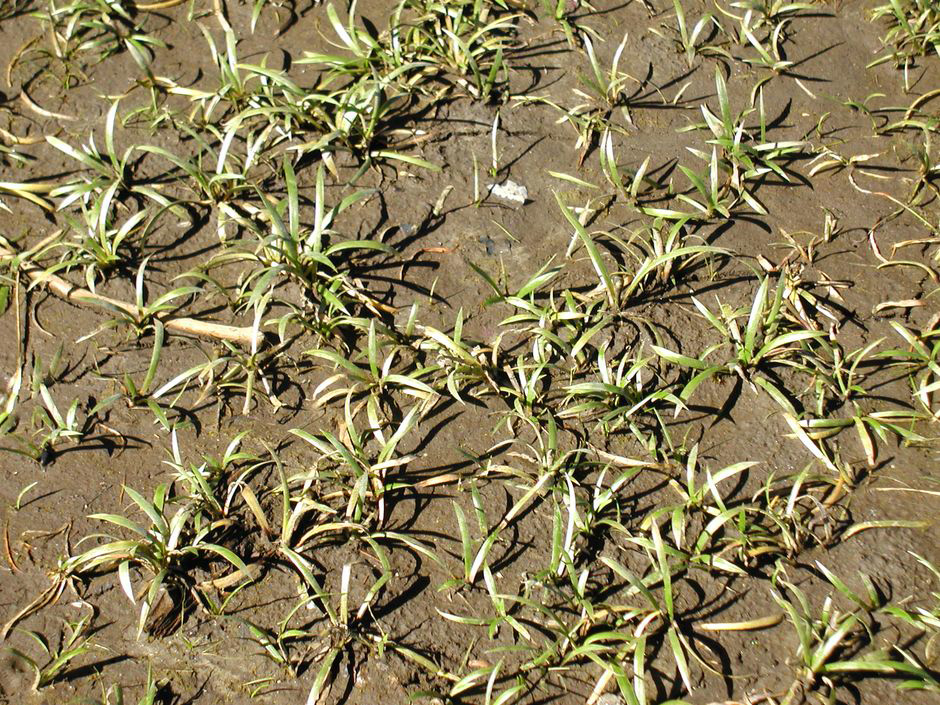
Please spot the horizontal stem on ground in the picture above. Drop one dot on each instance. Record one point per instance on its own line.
(64, 289)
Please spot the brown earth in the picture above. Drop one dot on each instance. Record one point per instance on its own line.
(213, 659)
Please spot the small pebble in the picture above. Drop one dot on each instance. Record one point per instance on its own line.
(509, 191)
(494, 247)
(609, 699)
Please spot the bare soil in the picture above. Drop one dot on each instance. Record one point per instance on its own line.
(213, 659)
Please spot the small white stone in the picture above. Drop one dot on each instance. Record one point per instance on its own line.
(510, 191)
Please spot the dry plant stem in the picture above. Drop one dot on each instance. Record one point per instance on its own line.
(6, 546)
(13, 139)
(600, 687)
(156, 6)
(65, 290)
(929, 95)
(46, 597)
(796, 694)
(39, 110)
(16, 57)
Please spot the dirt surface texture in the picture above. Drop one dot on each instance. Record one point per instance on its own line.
(471, 351)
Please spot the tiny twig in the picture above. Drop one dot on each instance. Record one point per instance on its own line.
(6, 546)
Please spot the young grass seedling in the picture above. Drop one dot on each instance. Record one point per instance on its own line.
(72, 644)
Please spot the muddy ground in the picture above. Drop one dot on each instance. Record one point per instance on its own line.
(215, 658)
